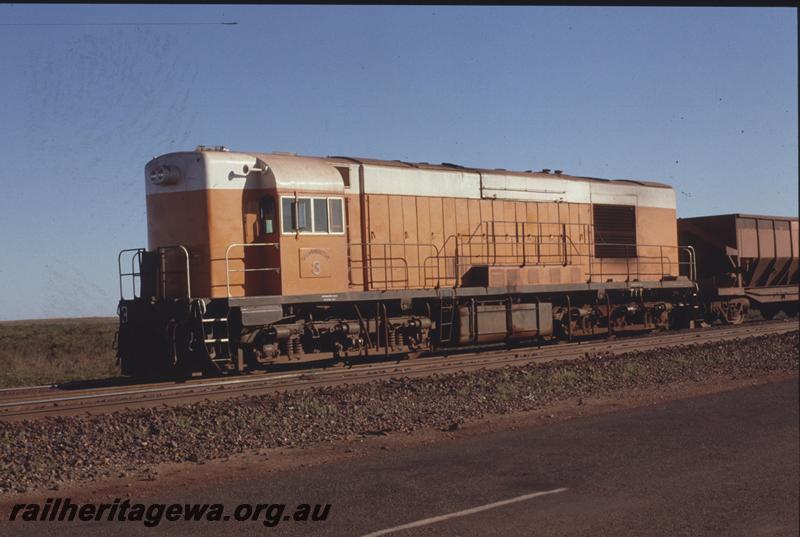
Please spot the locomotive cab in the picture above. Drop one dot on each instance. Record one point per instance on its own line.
(245, 224)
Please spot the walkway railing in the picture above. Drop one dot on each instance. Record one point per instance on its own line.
(512, 244)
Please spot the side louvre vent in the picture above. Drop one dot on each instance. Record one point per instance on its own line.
(614, 231)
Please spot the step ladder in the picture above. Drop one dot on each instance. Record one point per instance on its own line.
(446, 318)
(216, 339)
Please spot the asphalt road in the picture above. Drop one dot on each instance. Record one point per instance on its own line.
(724, 464)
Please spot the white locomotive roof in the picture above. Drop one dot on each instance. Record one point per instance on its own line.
(222, 169)
(451, 167)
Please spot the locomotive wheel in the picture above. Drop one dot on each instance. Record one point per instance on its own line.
(733, 316)
(731, 311)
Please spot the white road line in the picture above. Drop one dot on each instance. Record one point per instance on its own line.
(433, 520)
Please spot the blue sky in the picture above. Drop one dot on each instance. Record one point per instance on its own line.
(704, 99)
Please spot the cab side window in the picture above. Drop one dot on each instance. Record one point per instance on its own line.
(266, 215)
(296, 214)
(287, 212)
(303, 208)
(337, 217)
(320, 216)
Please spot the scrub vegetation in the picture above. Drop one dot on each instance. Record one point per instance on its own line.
(50, 351)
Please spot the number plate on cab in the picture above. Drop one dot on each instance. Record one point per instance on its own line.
(315, 263)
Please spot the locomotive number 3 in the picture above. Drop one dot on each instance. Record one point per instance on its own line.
(316, 267)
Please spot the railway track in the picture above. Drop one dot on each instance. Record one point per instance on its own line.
(117, 394)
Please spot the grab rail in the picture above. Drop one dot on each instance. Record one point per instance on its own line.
(164, 271)
(692, 263)
(228, 268)
(133, 273)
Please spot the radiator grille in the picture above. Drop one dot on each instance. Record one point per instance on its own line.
(615, 231)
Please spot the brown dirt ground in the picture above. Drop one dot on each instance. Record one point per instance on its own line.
(165, 477)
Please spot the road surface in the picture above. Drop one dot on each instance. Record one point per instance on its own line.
(722, 464)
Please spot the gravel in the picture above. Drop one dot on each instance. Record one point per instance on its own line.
(43, 453)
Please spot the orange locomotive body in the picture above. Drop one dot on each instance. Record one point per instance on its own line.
(255, 258)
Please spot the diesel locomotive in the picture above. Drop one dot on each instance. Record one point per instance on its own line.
(256, 258)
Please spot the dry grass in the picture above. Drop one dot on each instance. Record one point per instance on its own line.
(56, 350)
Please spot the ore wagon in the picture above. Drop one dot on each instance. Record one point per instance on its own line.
(744, 261)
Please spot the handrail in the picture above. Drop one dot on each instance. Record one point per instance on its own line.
(652, 260)
(228, 268)
(692, 261)
(356, 263)
(133, 273)
(182, 249)
(387, 268)
(517, 243)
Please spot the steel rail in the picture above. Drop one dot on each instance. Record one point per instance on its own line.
(107, 391)
(628, 341)
(23, 388)
(143, 390)
(361, 375)
(431, 364)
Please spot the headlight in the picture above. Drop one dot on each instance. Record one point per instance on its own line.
(165, 175)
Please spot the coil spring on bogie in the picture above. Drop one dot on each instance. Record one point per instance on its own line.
(294, 347)
(395, 339)
(297, 347)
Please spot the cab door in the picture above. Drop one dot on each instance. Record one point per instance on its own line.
(262, 254)
(313, 243)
